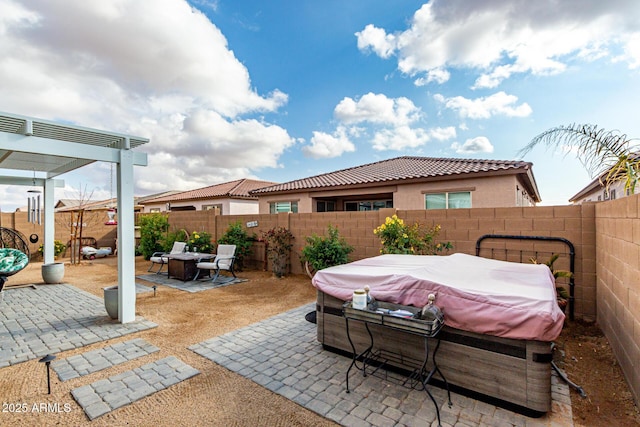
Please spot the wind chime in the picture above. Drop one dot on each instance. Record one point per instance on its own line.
(33, 203)
(111, 212)
(34, 212)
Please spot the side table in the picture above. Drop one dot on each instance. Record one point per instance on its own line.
(383, 317)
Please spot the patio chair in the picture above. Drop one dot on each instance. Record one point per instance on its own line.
(225, 257)
(11, 262)
(161, 257)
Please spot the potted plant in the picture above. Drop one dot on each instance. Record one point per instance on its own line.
(324, 251)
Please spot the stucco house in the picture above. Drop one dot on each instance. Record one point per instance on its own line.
(230, 198)
(407, 182)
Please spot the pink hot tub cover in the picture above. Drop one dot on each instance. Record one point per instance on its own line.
(485, 296)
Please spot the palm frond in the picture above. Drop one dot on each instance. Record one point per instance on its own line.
(605, 154)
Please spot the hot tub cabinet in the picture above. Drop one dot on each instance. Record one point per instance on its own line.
(512, 373)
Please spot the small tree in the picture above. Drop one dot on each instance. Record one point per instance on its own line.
(76, 221)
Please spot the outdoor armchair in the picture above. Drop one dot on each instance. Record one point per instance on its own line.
(161, 257)
(11, 261)
(225, 257)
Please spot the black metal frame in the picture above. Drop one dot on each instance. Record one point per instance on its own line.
(572, 256)
(373, 358)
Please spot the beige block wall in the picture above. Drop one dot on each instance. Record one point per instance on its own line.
(618, 282)
(462, 227)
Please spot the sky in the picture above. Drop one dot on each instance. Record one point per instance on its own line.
(285, 89)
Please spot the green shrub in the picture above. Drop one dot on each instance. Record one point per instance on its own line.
(236, 235)
(322, 252)
(153, 233)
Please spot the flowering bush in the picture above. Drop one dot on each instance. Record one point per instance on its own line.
(58, 248)
(279, 243)
(400, 238)
(200, 241)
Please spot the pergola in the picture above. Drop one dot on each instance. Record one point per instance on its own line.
(52, 149)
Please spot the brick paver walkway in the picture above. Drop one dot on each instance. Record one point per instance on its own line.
(55, 318)
(97, 360)
(103, 396)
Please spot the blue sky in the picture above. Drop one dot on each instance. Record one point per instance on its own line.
(281, 90)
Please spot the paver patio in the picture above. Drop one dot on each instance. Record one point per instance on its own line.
(40, 320)
(282, 354)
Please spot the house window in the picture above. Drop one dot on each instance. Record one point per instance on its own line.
(369, 205)
(325, 206)
(613, 194)
(457, 200)
(278, 207)
(154, 210)
(212, 207)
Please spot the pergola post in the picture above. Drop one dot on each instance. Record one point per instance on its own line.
(126, 239)
(49, 221)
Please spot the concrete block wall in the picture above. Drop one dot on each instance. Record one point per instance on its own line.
(618, 282)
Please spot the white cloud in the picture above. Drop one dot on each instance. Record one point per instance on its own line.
(326, 146)
(499, 39)
(377, 40)
(479, 144)
(399, 138)
(485, 107)
(632, 50)
(437, 75)
(379, 109)
(164, 72)
(443, 134)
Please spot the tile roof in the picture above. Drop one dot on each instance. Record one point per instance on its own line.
(67, 205)
(400, 169)
(238, 189)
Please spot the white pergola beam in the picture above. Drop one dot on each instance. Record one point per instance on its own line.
(38, 182)
(72, 150)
